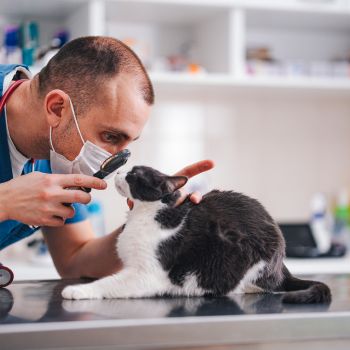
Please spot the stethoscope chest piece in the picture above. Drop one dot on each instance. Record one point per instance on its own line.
(6, 276)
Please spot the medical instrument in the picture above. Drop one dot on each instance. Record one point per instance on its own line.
(110, 165)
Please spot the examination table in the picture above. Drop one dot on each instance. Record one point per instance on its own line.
(33, 315)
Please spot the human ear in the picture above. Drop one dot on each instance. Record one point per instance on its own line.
(56, 105)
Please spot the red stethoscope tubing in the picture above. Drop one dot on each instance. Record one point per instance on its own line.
(7, 95)
(3, 100)
(9, 92)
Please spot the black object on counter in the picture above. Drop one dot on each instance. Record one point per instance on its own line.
(300, 242)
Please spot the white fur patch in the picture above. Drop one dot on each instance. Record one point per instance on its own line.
(121, 184)
(246, 285)
(189, 288)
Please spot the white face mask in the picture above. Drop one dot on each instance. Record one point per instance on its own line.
(88, 160)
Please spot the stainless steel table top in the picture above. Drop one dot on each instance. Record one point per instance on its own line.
(32, 313)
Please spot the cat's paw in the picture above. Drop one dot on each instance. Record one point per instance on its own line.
(81, 291)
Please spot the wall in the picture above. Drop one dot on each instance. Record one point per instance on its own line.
(279, 148)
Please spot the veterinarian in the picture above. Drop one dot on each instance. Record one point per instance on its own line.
(91, 100)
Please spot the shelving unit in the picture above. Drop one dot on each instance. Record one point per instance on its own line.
(221, 31)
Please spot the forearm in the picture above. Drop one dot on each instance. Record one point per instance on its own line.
(96, 258)
(76, 252)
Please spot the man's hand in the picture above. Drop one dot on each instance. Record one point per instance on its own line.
(37, 198)
(189, 171)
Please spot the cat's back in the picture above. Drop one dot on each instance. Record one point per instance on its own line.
(223, 205)
(231, 218)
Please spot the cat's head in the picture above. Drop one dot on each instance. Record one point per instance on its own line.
(148, 185)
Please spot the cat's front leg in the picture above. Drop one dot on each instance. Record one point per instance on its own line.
(125, 284)
(82, 291)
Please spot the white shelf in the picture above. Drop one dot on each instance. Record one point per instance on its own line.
(319, 266)
(54, 8)
(297, 83)
(332, 8)
(39, 8)
(294, 6)
(170, 82)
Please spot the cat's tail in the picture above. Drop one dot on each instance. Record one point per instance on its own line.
(300, 291)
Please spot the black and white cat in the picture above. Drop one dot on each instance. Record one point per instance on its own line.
(226, 244)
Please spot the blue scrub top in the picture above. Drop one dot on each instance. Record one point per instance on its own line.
(12, 231)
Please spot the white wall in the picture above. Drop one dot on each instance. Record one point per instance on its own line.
(279, 149)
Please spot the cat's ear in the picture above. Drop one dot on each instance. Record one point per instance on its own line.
(176, 182)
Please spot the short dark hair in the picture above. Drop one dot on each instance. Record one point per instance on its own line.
(82, 65)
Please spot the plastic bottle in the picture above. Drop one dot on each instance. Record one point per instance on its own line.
(342, 218)
(319, 224)
(30, 42)
(12, 50)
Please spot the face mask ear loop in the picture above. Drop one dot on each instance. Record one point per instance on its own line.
(51, 144)
(75, 120)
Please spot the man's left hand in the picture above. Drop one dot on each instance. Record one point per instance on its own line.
(190, 171)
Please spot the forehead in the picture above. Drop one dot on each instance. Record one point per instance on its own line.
(120, 105)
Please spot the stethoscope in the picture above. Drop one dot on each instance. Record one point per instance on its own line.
(6, 274)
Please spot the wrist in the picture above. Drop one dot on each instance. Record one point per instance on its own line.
(4, 215)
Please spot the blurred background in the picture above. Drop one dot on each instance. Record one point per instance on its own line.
(261, 87)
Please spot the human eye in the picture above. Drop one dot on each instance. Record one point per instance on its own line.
(111, 138)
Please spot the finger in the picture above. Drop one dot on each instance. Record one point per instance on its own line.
(80, 180)
(130, 203)
(73, 196)
(64, 211)
(196, 197)
(196, 168)
(181, 199)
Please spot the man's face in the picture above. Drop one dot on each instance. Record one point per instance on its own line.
(116, 119)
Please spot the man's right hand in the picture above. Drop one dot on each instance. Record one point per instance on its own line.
(37, 198)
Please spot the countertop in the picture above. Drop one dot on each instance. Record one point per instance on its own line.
(28, 270)
(34, 316)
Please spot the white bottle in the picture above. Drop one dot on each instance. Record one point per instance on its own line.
(319, 225)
